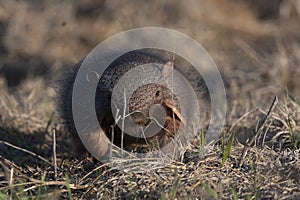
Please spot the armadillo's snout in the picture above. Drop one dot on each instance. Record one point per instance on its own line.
(139, 118)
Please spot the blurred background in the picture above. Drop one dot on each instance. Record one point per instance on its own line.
(255, 44)
(38, 36)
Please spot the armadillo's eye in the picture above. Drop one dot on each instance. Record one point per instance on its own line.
(158, 93)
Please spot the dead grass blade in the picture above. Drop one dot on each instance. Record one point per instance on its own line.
(259, 130)
(27, 151)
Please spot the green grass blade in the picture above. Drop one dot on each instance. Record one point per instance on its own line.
(234, 193)
(175, 189)
(228, 148)
(212, 192)
(202, 144)
(68, 186)
(49, 122)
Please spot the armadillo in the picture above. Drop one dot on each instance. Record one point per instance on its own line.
(139, 104)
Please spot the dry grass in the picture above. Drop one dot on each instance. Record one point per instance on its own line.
(259, 59)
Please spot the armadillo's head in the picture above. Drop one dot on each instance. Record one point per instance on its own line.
(146, 102)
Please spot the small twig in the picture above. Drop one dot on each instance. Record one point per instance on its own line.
(264, 121)
(54, 152)
(112, 140)
(123, 122)
(143, 132)
(92, 171)
(50, 183)
(157, 122)
(27, 151)
(15, 172)
(11, 182)
(265, 134)
(259, 130)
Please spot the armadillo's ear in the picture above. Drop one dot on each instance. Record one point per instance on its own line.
(175, 111)
(167, 70)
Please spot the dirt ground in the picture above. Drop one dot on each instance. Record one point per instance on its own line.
(256, 46)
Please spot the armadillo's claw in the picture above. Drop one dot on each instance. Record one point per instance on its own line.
(175, 111)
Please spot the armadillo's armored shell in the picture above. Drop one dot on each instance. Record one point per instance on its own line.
(109, 79)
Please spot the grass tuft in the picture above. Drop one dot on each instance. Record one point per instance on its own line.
(295, 137)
